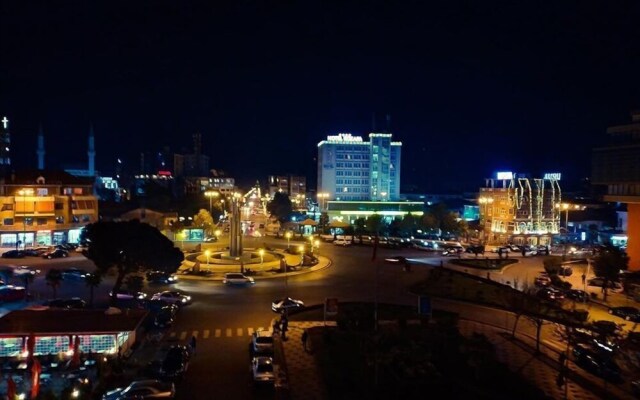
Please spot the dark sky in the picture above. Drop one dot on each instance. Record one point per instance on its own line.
(471, 86)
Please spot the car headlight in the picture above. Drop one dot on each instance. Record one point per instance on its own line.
(184, 300)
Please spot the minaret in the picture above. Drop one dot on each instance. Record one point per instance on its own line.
(92, 152)
(5, 144)
(40, 151)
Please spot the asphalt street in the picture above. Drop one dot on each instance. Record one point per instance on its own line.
(222, 318)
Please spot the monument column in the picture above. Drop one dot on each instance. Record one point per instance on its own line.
(235, 231)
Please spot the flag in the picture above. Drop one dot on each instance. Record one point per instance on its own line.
(36, 369)
(11, 388)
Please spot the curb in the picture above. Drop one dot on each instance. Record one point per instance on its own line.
(315, 268)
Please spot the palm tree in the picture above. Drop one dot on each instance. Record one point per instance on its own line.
(54, 278)
(92, 281)
(608, 265)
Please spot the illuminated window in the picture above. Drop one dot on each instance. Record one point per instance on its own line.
(51, 345)
(10, 347)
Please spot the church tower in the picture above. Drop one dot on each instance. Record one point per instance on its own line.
(91, 153)
(40, 152)
(5, 144)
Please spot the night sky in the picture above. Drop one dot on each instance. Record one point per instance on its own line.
(472, 87)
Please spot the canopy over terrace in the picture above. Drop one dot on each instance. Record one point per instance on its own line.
(55, 331)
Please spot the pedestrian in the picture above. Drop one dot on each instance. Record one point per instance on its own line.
(305, 337)
(524, 251)
(192, 345)
(584, 278)
(276, 326)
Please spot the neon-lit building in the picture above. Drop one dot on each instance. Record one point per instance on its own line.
(521, 210)
(350, 169)
(617, 168)
(45, 208)
(55, 331)
(349, 211)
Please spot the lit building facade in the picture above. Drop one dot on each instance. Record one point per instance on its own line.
(350, 169)
(45, 208)
(617, 168)
(292, 185)
(520, 210)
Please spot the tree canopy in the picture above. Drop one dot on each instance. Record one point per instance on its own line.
(204, 220)
(280, 206)
(608, 265)
(129, 247)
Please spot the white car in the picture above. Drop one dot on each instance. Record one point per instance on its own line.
(262, 342)
(172, 297)
(234, 278)
(262, 370)
(342, 242)
(24, 270)
(129, 295)
(146, 389)
(284, 305)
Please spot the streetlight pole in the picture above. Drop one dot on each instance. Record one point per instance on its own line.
(211, 194)
(261, 252)
(288, 236)
(207, 253)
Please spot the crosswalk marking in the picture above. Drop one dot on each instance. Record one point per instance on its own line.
(229, 332)
(239, 332)
(205, 334)
(249, 331)
(195, 334)
(183, 335)
(218, 332)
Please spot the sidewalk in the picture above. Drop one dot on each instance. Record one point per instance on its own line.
(305, 380)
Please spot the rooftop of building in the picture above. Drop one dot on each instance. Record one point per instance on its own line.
(51, 177)
(48, 321)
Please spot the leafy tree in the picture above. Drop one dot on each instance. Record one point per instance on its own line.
(54, 279)
(129, 247)
(92, 281)
(280, 206)
(395, 226)
(204, 220)
(375, 224)
(552, 265)
(449, 223)
(429, 222)
(134, 283)
(608, 265)
(324, 220)
(176, 227)
(408, 225)
(360, 227)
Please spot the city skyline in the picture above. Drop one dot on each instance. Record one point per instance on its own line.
(470, 89)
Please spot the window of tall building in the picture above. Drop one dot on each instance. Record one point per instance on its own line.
(7, 221)
(6, 207)
(42, 221)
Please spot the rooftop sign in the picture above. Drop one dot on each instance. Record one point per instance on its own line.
(344, 137)
(504, 175)
(552, 176)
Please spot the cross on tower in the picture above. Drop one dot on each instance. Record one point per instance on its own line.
(5, 122)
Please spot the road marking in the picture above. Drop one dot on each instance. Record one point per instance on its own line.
(249, 331)
(218, 332)
(239, 332)
(195, 334)
(172, 335)
(229, 332)
(183, 335)
(205, 334)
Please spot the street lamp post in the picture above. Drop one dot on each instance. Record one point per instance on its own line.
(207, 253)
(261, 252)
(288, 236)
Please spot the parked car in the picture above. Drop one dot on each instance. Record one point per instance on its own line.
(599, 282)
(262, 370)
(56, 253)
(577, 295)
(396, 259)
(76, 274)
(235, 278)
(172, 297)
(262, 342)
(13, 254)
(21, 270)
(75, 303)
(35, 252)
(128, 295)
(12, 293)
(327, 238)
(342, 242)
(550, 294)
(598, 363)
(175, 363)
(166, 316)
(542, 280)
(628, 313)
(161, 277)
(145, 389)
(285, 305)
(565, 270)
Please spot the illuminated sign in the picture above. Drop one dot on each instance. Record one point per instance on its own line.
(552, 176)
(344, 137)
(164, 173)
(505, 175)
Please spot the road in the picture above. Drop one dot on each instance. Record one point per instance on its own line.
(223, 318)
